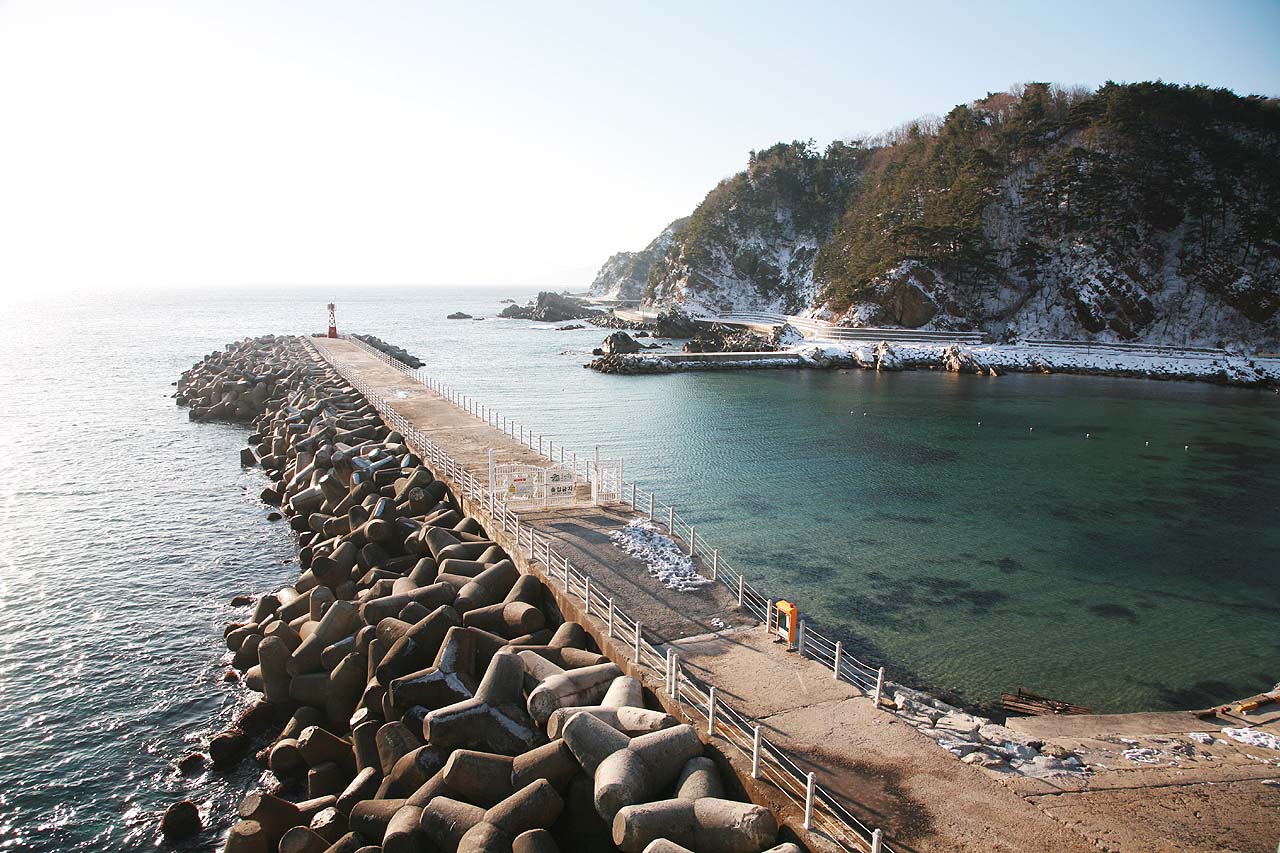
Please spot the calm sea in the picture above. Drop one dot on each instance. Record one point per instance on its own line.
(1106, 541)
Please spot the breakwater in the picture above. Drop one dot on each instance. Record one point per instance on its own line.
(417, 688)
(981, 360)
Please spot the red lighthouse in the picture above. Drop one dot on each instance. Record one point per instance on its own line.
(333, 322)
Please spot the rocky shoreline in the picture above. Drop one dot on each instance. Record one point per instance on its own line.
(418, 691)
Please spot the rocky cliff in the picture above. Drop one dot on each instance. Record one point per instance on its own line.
(625, 274)
(1146, 212)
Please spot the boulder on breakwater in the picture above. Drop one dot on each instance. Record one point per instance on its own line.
(419, 691)
(721, 338)
(398, 353)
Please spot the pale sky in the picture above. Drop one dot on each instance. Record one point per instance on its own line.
(231, 143)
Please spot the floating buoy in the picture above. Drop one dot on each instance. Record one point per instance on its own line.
(1030, 429)
(1086, 435)
(979, 423)
(1146, 444)
(1185, 446)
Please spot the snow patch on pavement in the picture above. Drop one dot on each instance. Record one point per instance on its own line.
(1253, 737)
(644, 540)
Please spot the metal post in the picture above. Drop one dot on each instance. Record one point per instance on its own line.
(768, 618)
(667, 679)
(671, 520)
(651, 506)
(539, 444)
(755, 751)
(533, 541)
(609, 631)
(800, 637)
(711, 710)
(808, 802)
(675, 676)
(566, 575)
(877, 841)
(715, 564)
(636, 659)
(586, 596)
(742, 587)
(693, 538)
(879, 686)
(633, 495)
(835, 670)
(517, 532)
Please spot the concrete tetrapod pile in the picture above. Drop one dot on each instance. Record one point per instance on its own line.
(419, 692)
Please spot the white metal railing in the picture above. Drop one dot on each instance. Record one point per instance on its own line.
(1128, 348)
(636, 315)
(824, 330)
(823, 812)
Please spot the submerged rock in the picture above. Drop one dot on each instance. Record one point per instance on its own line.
(458, 315)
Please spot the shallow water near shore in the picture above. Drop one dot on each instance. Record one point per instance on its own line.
(964, 530)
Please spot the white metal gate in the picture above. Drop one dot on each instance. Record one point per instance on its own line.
(606, 480)
(533, 485)
(514, 482)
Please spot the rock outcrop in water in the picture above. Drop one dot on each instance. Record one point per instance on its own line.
(550, 308)
(419, 692)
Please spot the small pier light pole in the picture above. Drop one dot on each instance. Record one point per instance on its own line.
(333, 322)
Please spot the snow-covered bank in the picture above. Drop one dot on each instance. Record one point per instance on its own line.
(993, 359)
(990, 360)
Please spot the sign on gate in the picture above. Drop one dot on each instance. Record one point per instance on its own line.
(562, 484)
(516, 482)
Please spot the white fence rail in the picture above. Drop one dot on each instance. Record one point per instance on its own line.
(636, 315)
(823, 812)
(823, 330)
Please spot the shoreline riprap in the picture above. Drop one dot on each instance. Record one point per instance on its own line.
(418, 690)
(985, 360)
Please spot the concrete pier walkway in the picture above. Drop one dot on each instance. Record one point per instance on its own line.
(878, 767)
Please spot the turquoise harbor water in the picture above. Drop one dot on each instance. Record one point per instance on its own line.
(961, 529)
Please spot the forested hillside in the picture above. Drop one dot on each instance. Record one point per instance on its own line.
(1145, 211)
